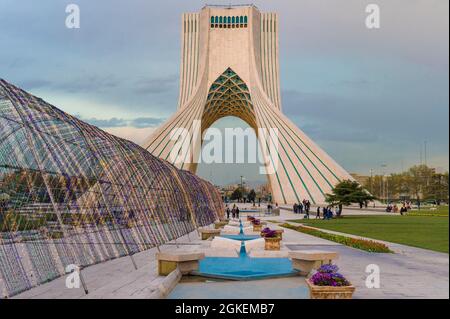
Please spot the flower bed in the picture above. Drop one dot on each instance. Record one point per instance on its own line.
(272, 240)
(257, 226)
(327, 283)
(327, 275)
(363, 244)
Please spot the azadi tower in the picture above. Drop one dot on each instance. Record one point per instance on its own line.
(230, 67)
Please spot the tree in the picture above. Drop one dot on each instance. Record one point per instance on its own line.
(346, 193)
(237, 194)
(4, 199)
(251, 196)
(419, 182)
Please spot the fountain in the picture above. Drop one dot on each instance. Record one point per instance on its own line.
(241, 236)
(244, 267)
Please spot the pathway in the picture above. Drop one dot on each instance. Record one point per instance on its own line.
(409, 273)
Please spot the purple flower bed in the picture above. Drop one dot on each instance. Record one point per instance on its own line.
(268, 233)
(256, 222)
(327, 275)
(271, 234)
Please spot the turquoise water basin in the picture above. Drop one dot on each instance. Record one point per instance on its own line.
(245, 267)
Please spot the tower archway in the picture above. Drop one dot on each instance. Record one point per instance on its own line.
(228, 96)
(235, 72)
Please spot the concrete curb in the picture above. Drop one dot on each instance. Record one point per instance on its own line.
(167, 285)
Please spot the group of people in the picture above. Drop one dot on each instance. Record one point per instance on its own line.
(393, 208)
(328, 212)
(270, 207)
(234, 212)
(303, 207)
(322, 212)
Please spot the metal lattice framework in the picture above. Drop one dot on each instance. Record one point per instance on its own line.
(228, 96)
(72, 194)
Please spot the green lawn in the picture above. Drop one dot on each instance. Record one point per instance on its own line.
(439, 211)
(427, 232)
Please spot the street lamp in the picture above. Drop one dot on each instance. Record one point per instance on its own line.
(383, 174)
(242, 186)
(371, 181)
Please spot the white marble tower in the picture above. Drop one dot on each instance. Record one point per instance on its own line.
(230, 67)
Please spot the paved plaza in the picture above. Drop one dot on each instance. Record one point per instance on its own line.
(408, 273)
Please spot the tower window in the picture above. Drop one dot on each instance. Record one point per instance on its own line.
(229, 22)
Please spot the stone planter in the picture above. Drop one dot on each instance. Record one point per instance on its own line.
(209, 233)
(306, 261)
(279, 233)
(220, 225)
(186, 262)
(329, 292)
(273, 243)
(257, 228)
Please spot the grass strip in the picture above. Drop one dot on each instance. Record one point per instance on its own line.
(358, 243)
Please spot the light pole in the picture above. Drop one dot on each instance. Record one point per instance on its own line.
(425, 152)
(242, 186)
(371, 181)
(383, 173)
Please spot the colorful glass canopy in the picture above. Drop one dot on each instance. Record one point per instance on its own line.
(72, 194)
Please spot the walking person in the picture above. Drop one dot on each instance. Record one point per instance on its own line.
(300, 207)
(403, 210)
(318, 213)
(228, 212)
(237, 212)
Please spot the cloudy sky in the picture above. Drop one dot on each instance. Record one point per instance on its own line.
(366, 96)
